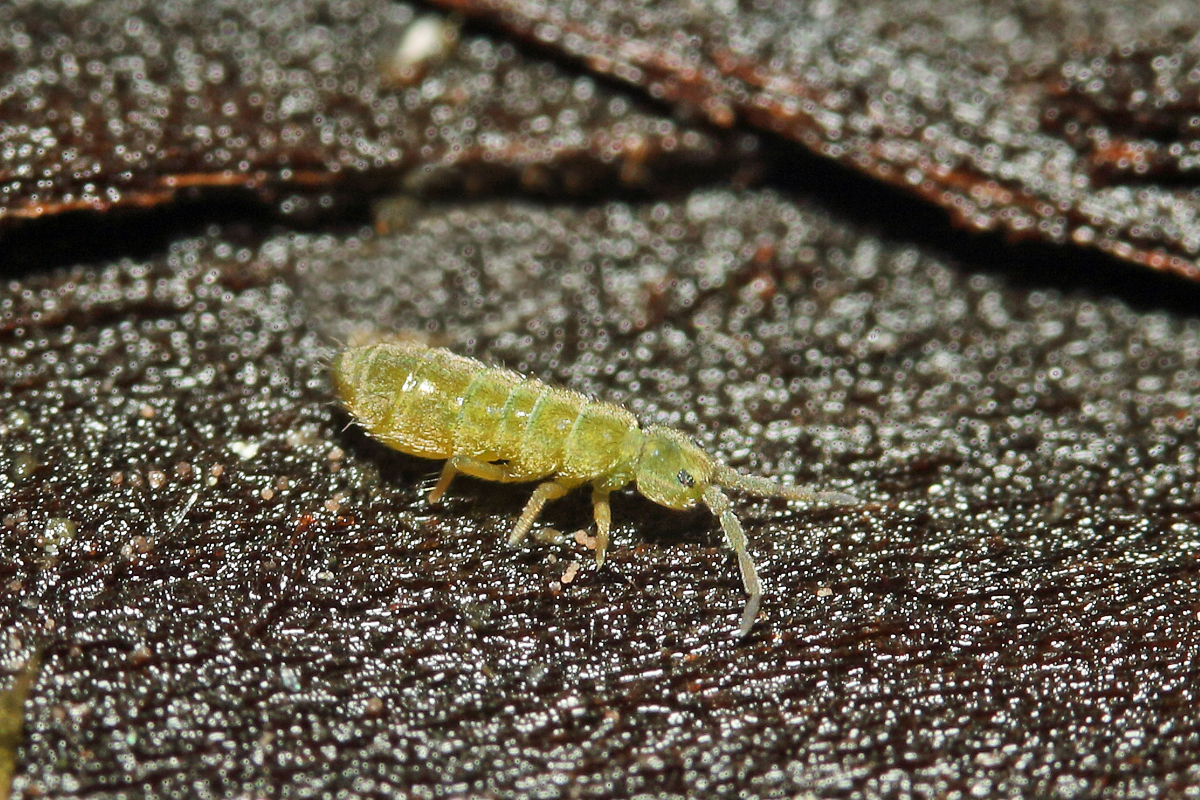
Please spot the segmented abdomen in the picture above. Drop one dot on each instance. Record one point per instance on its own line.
(432, 403)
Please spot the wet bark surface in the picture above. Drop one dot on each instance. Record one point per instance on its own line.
(1063, 122)
(307, 105)
(215, 585)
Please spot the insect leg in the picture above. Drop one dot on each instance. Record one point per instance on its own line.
(550, 490)
(467, 466)
(718, 503)
(603, 523)
(448, 473)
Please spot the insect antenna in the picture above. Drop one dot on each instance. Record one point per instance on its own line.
(765, 487)
(719, 505)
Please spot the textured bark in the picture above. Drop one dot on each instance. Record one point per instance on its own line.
(308, 104)
(213, 585)
(230, 590)
(1064, 122)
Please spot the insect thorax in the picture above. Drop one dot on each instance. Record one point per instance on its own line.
(604, 446)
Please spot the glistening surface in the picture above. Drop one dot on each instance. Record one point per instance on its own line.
(230, 592)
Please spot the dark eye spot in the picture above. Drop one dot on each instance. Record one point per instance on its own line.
(686, 479)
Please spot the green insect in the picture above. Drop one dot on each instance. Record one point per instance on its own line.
(495, 424)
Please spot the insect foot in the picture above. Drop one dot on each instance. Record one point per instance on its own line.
(497, 425)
